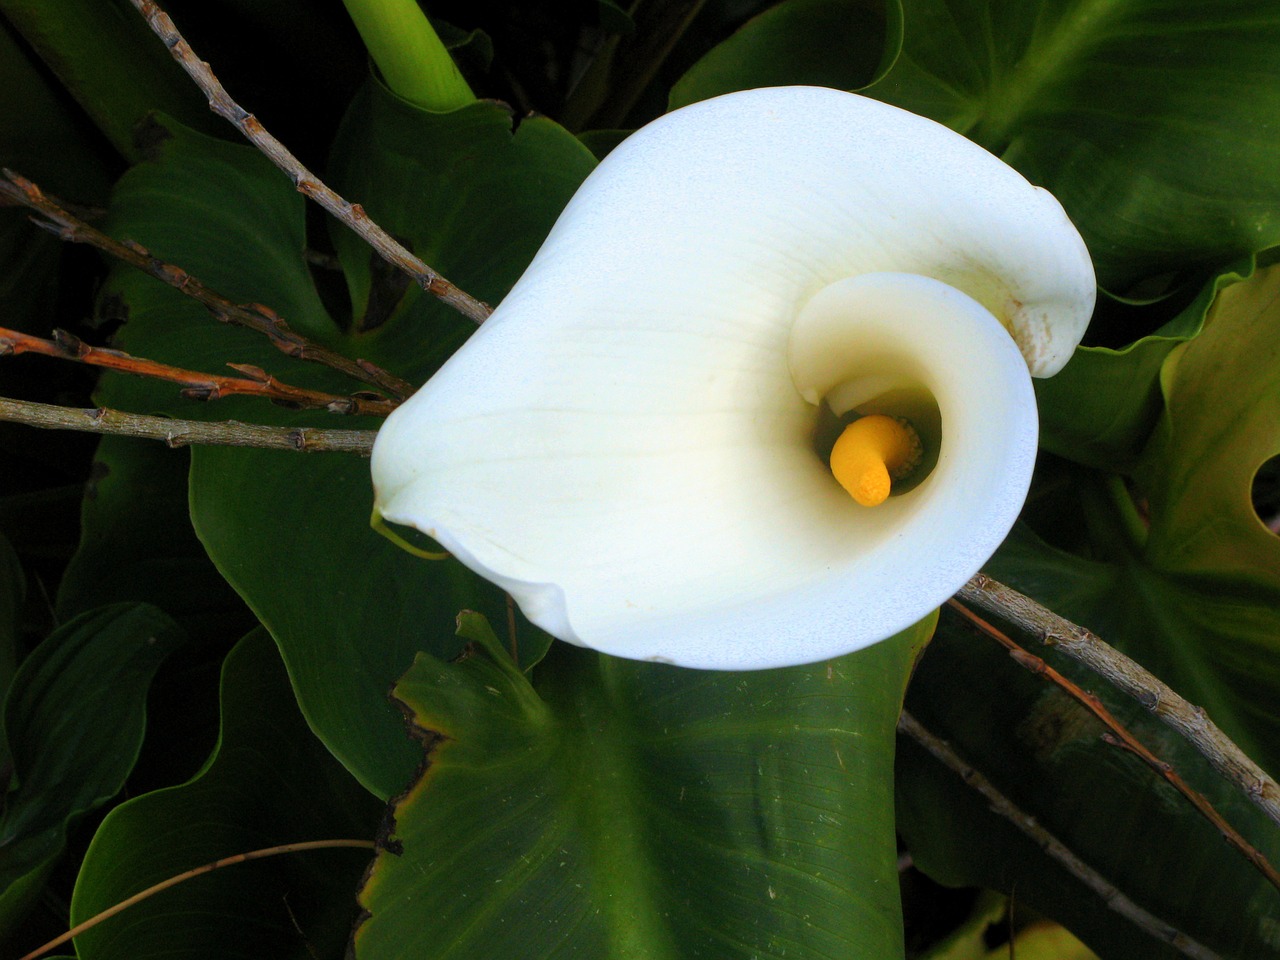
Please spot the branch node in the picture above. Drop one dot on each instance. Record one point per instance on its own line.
(304, 180)
(183, 433)
(71, 343)
(1189, 721)
(254, 373)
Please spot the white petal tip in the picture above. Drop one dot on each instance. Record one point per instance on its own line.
(626, 446)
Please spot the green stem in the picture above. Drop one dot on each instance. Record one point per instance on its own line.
(413, 61)
(1111, 516)
(380, 526)
(1131, 522)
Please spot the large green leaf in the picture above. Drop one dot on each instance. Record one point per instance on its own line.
(291, 533)
(73, 721)
(1141, 116)
(13, 587)
(136, 544)
(1221, 423)
(42, 138)
(1196, 597)
(1043, 751)
(108, 59)
(614, 809)
(844, 44)
(268, 782)
(1101, 408)
(41, 134)
(470, 192)
(1191, 589)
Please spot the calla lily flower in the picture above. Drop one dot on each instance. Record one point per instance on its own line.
(635, 444)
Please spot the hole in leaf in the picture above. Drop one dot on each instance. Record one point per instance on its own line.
(1266, 494)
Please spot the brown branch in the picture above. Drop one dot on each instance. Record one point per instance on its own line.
(306, 182)
(1119, 736)
(254, 316)
(186, 433)
(256, 382)
(1079, 644)
(1051, 845)
(190, 874)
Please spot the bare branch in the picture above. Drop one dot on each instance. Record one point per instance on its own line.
(190, 874)
(1079, 644)
(1051, 845)
(255, 316)
(256, 382)
(307, 183)
(1119, 736)
(186, 433)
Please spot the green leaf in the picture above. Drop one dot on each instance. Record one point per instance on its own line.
(137, 544)
(73, 721)
(268, 782)
(1196, 597)
(1221, 423)
(466, 45)
(41, 134)
(1140, 116)
(109, 60)
(469, 194)
(1190, 588)
(845, 44)
(13, 589)
(291, 533)
(1101, 408)
(42, 138)
(614, 809)
(614, 19)
(1043, 751)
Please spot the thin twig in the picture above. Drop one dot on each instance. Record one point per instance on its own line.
(256, 382)
(186, 433)
(189, 874)
(306, 182)
(1051, 845)
(1119, 736)
(254, 316)
(1079, 644)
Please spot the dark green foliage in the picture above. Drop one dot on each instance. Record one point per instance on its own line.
(571, 805)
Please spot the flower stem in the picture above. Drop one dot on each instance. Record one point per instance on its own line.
(413, 61)
(1127, 515)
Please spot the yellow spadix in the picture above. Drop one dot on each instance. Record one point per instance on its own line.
(871, 453)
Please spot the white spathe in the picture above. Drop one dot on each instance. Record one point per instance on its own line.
(626, 444)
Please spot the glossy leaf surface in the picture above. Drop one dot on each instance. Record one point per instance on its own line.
(107, 58)
(73, 721)
(136, 544)
(268, 782)
(1194, 595)
(845, 44)
(1043, 752)
(617, 809)
(1129, 112)
(290, 532)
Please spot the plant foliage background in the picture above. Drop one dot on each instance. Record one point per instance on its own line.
(211, 652)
